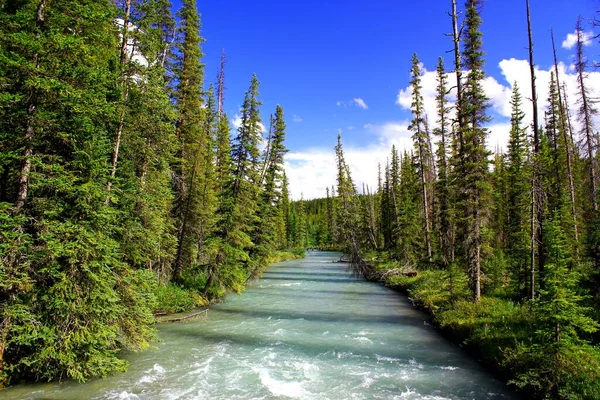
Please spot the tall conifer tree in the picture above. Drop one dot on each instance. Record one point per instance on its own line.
(474, 168)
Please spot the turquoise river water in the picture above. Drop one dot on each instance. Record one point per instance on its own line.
(306, 330)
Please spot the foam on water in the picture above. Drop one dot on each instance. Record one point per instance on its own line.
(292, 390)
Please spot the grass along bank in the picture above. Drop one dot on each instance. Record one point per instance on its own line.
(524, 343)
(172, 298)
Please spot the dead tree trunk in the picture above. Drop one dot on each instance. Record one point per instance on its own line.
(536, 206)
(221, 84)
(23, 183)
(458, 72)
(124, 60)
(585, 114)
(563, 121)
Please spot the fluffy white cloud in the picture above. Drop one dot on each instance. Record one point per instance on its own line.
(356, 102)
(571, 39)
(499, 93)
(311, 171)
(360, 103)
(236, 122)
(297, 118)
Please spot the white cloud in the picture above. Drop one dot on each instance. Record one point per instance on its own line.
(499, 94)
(571, 39)
(297, 118)
(360, 103)
(310, 172)
(236, 122)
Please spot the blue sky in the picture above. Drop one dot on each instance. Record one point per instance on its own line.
(316, 57)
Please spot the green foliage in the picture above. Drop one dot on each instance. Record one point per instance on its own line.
(117, 179)
(557, 371)
(172, 298)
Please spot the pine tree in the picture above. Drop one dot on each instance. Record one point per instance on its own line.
(442, 131)
(567, 146)
(190, 177)
(519, 189)
(473, 154)
(270, 197)
(586, 115)
(421, 141)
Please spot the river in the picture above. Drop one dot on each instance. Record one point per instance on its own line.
(306, 330)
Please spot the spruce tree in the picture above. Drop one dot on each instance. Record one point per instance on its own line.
(285, 211)
(422, 147)
(267, 212)
(442, 131)
(518, 196)
(409, 229)
(192, 140)
(473, 169)
(239, 202)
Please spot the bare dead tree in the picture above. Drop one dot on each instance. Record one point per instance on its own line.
(23, 183)
(563, 109)
(536, 207)
(124, 60)
(586, 116)
(221, 83)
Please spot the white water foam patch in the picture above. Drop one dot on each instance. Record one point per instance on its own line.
(384, 359)
(202, 368)
(362, 339)
(367, 378)
(292, 390)
(277, 332)
(449, 368)
(151, 375)
(415, 364)
(288, 284)
(310, 371)
(124, 395)
(411, 394)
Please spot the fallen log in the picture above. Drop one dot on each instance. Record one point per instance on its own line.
(201, 314)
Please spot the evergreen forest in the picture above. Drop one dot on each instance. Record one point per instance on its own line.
(124, 190)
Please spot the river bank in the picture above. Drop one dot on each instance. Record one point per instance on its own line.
(176, 300)
(506, 336)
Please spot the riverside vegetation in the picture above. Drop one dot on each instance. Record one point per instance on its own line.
(504, 257)
(121, 193)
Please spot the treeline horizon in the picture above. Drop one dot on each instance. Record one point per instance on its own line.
(123, 188)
